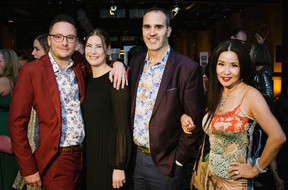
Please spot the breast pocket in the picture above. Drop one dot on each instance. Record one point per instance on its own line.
(171, 89)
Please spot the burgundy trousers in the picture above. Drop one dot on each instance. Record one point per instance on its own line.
(65, 173)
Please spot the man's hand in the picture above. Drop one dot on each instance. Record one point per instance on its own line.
(33, 180)
(118, 75)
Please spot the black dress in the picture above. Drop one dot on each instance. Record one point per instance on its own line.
(107, 136)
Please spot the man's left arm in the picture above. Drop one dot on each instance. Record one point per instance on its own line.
(194, 105)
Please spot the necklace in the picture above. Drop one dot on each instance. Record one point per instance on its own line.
(225, 98)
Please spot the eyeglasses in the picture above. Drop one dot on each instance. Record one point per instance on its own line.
(60, 38)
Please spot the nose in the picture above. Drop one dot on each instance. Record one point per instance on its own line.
(65, 40)
(227, 70)
(93, 50)
(152, 31)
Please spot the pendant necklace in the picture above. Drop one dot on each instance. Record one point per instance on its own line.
(225, 98)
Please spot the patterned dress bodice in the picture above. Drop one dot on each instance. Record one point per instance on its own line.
(230, 139)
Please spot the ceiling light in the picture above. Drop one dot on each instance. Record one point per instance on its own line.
(175, 10)
(113, 9)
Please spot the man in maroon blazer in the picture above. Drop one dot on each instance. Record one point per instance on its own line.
(164, 85)
(54, 86)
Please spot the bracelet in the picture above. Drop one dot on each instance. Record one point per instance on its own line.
(259, 168)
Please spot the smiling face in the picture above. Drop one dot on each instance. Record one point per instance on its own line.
(95, 52)
(38, 50)
(228, 69)
(155, 31)
(62, 51)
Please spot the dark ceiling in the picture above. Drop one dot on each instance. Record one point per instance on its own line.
(32, 17)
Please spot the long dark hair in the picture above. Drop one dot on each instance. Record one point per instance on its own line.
(215, 88)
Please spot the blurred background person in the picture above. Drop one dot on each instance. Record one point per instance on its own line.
(40, 46)
(239, 34)
(9, 66)
(262, 63)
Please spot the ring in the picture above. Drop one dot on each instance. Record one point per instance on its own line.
(236, 172)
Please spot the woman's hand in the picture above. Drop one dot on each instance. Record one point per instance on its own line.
(118, 177)
(187, 124)
(238, 170)
(259, 38)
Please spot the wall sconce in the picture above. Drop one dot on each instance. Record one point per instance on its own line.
(113, 9)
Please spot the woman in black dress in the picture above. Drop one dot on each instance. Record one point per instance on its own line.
(106, 114)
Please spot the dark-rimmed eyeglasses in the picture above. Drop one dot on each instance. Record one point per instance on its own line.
(60, 38)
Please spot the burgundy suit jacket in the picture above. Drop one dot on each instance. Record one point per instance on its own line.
(180, 92)
(36, 86)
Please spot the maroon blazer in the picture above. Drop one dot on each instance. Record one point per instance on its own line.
(180, 92)
(36, 86)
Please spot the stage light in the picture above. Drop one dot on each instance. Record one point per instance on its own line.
(113, 9)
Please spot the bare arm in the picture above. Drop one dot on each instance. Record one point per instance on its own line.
(255, 105)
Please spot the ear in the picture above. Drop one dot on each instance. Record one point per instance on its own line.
(109, 50)
(169, 30)
(49, 40)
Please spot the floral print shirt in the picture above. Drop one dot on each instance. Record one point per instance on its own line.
(147, 91)
(72, 119)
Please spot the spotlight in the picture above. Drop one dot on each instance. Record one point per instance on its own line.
(113, 9)
(175, 10)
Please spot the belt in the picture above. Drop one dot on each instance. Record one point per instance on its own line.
(71, 149)
(144, 149)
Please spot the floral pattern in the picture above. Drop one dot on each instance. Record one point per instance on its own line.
(72, 120)
(145, 99)
(229, 136)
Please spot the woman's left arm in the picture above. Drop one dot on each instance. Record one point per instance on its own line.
(255, 105)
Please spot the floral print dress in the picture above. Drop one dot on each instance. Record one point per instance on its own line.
(230, 140)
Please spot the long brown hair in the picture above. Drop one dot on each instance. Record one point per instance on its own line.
(11, 64)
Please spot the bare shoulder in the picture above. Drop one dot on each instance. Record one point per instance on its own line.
(251, 92)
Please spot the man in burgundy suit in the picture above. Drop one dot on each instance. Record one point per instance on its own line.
(164, 85)
(54, 86)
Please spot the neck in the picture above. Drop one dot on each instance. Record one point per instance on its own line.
(101, 70)
(156, 56)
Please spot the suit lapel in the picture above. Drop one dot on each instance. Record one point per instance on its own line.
(137, 69)
(166, 78)
(52, 85)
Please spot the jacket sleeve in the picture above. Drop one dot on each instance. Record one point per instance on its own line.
(19, 116)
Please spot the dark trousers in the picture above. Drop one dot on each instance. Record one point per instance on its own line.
(65, 173)
(148, 177)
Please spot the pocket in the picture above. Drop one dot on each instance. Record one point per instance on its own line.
(171, 89)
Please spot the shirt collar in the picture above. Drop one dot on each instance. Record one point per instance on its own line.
(55, 65)
(163, 60)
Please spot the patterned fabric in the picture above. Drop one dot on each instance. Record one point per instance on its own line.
(72, 120)
(229, 136)
(146, 96)
(217, 183)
